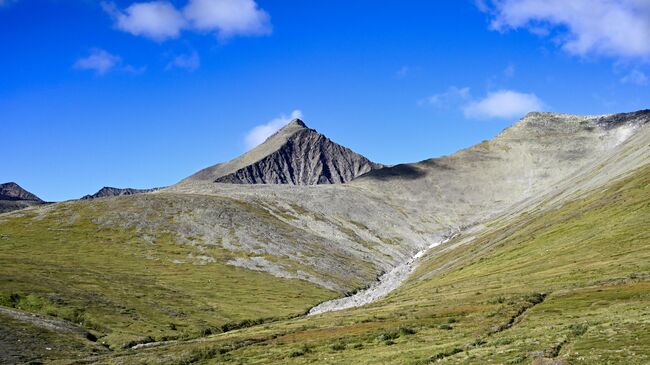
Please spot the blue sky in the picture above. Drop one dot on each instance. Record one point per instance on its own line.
(142, 94)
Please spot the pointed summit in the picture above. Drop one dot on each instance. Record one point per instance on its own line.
(298, 123)
(13, 191)
(295, 155)
(14, 197)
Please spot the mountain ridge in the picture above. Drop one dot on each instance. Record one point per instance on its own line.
(108, 191)
(294, 155)
(14, 197)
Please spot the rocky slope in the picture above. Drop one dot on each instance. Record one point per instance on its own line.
(295, 155)
(107, 191)
(383, 218)
(14, 197)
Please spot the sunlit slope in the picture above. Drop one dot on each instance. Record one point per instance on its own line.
(569, 284)
(534, 157)
(128, 284)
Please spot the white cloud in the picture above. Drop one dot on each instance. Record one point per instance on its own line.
(260, 133)
(158, 20)
(189, 62)
(161, 20)
(635, 77)
(228, 17)
(618, 28)
(503, 104)
(402, 72)
(453, 95)
(99, 61)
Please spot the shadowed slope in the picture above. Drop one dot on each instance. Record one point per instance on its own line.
(295, 155)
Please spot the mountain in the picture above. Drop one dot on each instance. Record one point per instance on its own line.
(530, 247)
(13, 191)
(295, 155)
(14, 197)
(107, 192)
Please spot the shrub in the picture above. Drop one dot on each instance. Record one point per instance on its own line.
(536, 298)
(445, 327)
(444, 354)
(301, 351)
(388, 335)
(502, 342)
(579, 329)
(406, 331)
(339, 346)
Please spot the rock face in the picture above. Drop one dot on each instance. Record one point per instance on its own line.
(295, 155)
(13, 191)
(108, 191)
(13, 197)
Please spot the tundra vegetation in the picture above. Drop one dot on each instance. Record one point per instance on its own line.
(550, 262)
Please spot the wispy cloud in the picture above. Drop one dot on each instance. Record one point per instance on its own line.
(260, 133)
(452, 96)
(99, 61)
(228, 17)
(403, 72)
(161, 20)
(189, 62)
(102, 62)
(582, 27)
(157, 20)
(635, 77)
(503, 104)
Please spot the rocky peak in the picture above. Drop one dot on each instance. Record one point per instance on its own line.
(13, 191)
(297, 123)
(295, 155)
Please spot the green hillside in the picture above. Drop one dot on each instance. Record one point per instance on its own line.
(568, 285)
(127, 287)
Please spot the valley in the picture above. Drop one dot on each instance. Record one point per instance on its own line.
(529, 247)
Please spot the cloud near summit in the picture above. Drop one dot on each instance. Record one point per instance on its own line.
(161, 20)
(501, 104)
(260, 133)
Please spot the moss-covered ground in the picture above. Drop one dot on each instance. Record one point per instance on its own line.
(128, 288)
(568, 285)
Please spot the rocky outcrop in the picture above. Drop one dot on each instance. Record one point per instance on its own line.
(108, 191)
(295, 155)
(13, 191)
(14, 197)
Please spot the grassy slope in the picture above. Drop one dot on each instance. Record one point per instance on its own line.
(590, 259)
(125, 287)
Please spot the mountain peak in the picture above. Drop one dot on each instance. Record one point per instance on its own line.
(13, 191)
(294, 155)
(297, 123)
